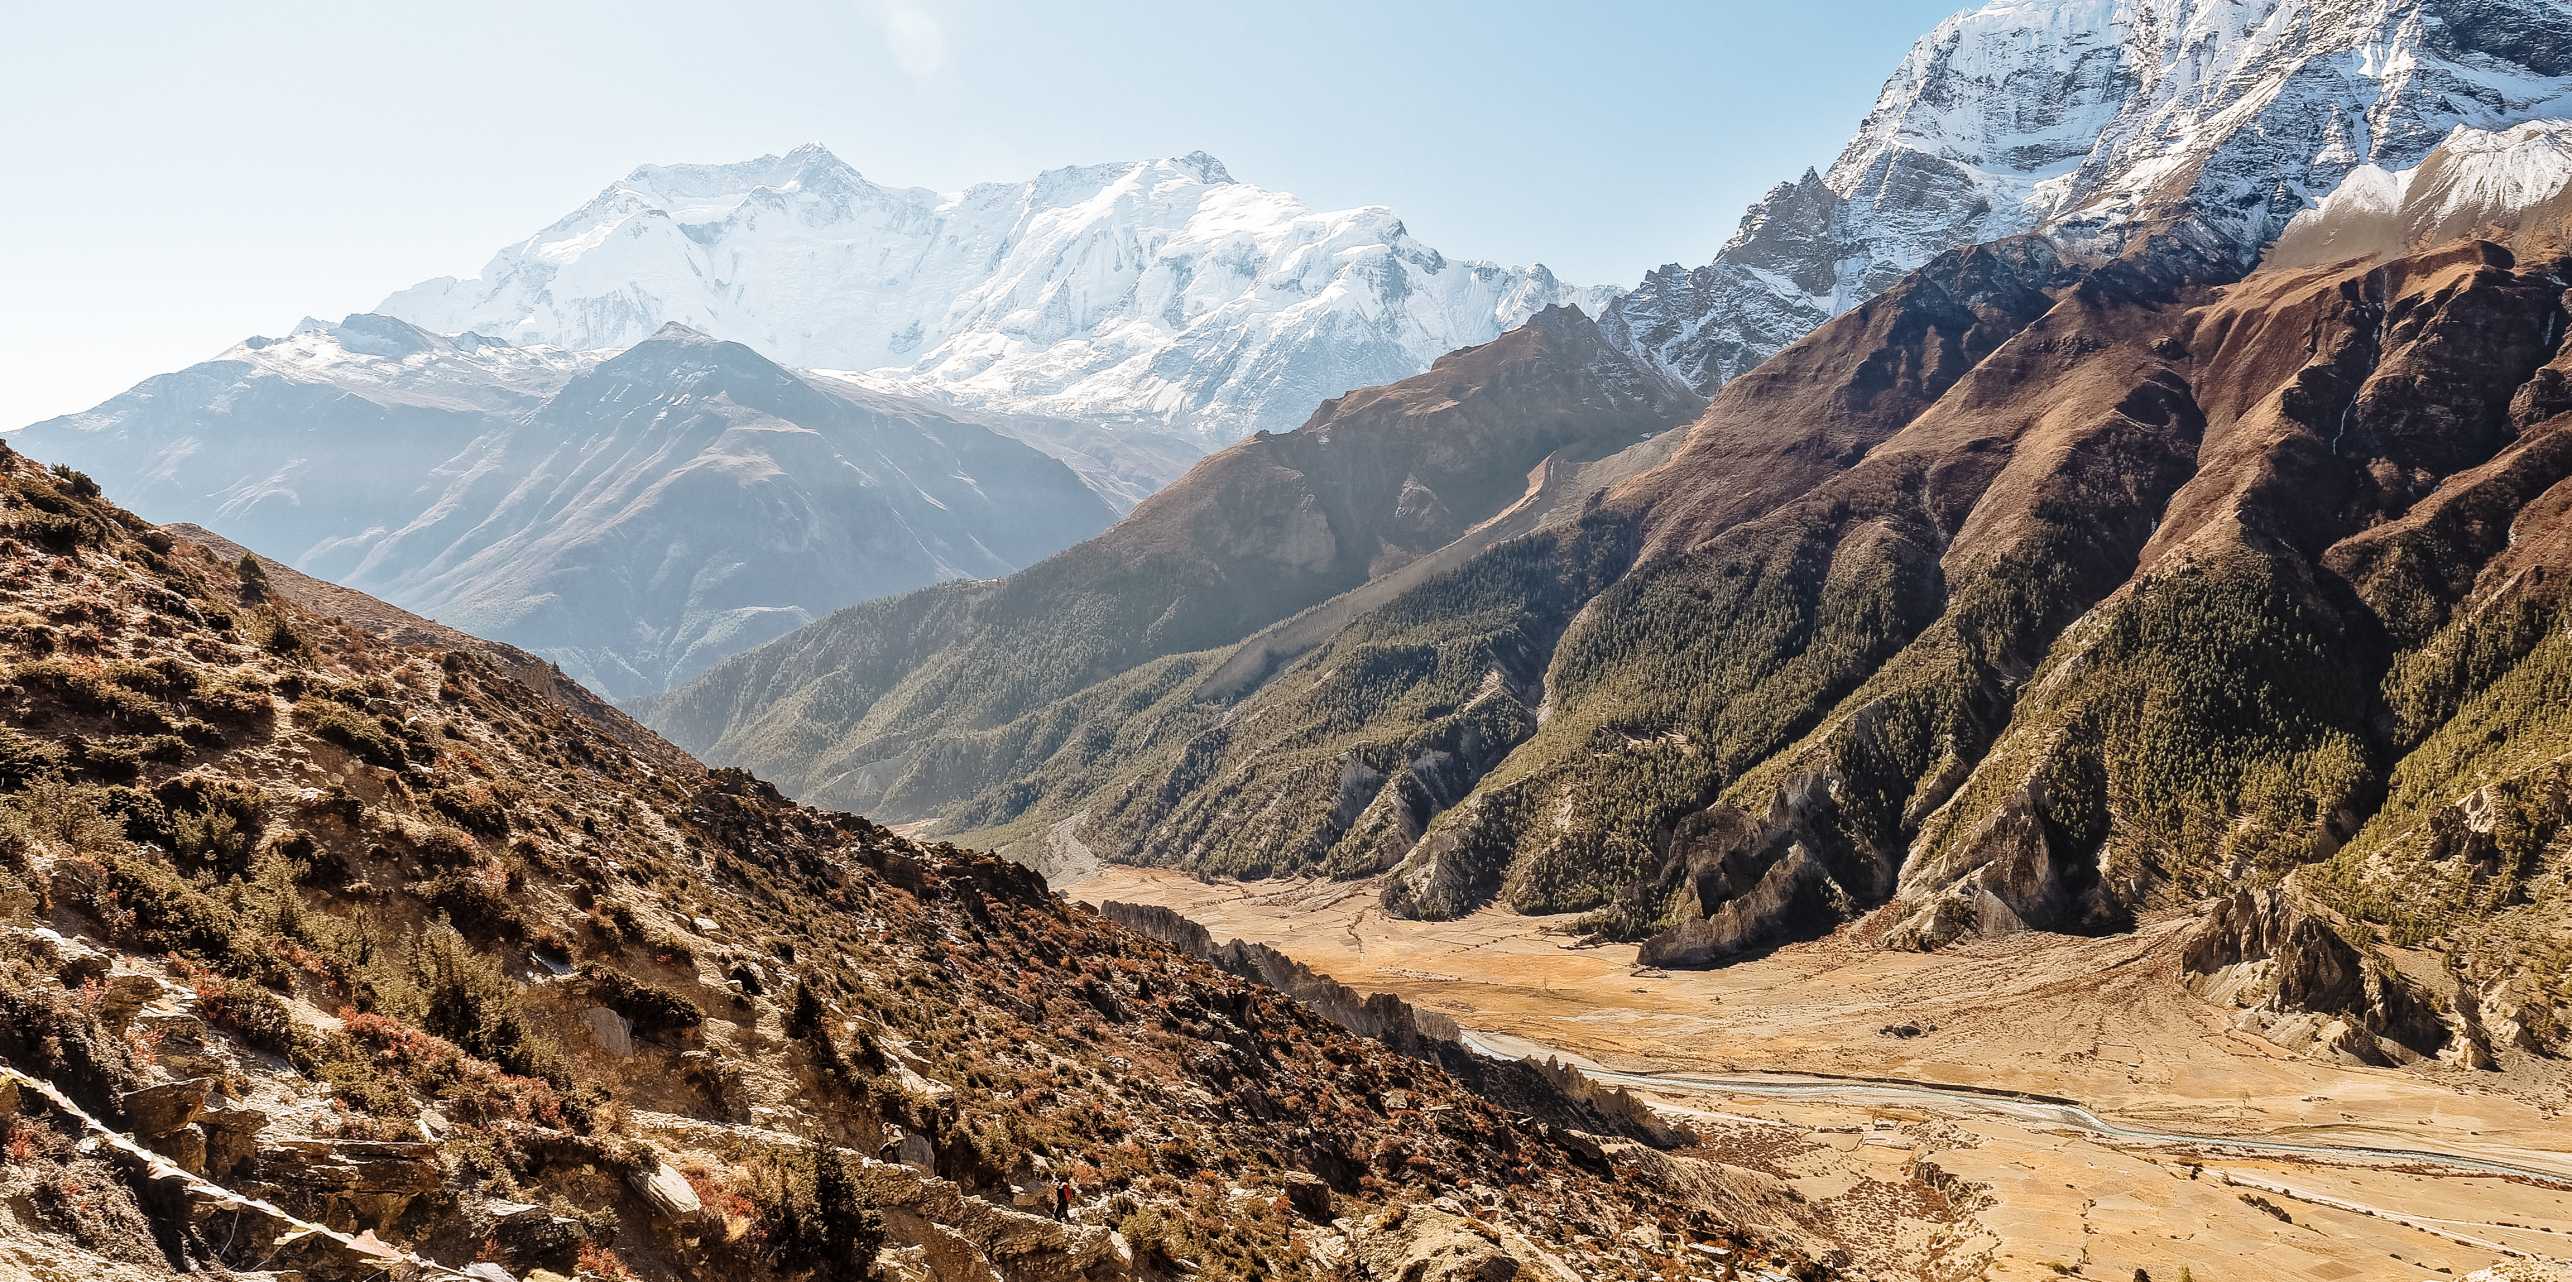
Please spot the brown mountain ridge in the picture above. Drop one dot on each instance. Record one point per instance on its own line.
(336, 948)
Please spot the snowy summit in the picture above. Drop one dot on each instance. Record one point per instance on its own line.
(2089, 120)
(1159, 291)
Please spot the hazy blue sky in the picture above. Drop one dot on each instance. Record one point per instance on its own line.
(174, 177)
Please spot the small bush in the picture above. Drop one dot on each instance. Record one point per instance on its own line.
(474, 807)
(361, 736)
(77, 482)
(85, 688)
(211, 840)
(25, 758)
(813, 1219)
(215, 822)
(278, 637)
(56, 532)
(24, 631)
(113, 760)
(654, 1010)
(142, 815)
(233, 696)
(439, 846)
(148, 907)
(473, 1005)
(249, 1012)
(68, 820)
(477, 900)
(163, 678)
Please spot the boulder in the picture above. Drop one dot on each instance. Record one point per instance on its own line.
(1432, 1245)
(231, 1138)
(1310, 1197)
(609, 1031)
(185, 1147)
(533, 1235)
(909, 1148)
(926, 1103)
(165, 1108)
(123, 995)
(668, 1191)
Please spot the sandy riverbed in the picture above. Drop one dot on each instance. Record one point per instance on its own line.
(1936, 1193)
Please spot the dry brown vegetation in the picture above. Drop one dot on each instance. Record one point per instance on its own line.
(374, 890)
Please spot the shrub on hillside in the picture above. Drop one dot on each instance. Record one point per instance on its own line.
(813, 1218)
(654, 1010)
(469, 1002)
(85, 688)
(360, 735)
(474, 807)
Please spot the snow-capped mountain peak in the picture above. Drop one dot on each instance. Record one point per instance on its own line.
(1162, 291)
(397, 363)
(2086, 119)
(2474, 178)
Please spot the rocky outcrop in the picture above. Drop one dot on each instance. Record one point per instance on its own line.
(1795, 895)
(1432, 1245)
(2298, 978)
(965, 1237)
(350, 1182)
(261, 1228)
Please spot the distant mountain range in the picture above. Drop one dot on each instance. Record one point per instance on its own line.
(915, 704)
(572, 454)
(633, 518)
(1158, 292)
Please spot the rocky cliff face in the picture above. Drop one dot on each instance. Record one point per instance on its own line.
(325, 949)
(1159, 292)
(2299, 980)
(2093, 121)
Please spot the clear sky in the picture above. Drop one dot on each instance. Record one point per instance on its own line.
(177, 176)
